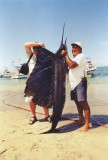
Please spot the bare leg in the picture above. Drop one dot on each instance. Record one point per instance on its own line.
(33, 119)
(46, 110)
(33, 107)
(86, 109)
(80, 112)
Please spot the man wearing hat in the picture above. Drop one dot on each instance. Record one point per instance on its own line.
(78, 83)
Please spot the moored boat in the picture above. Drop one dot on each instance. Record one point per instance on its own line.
(6, 73)
(90, 68)
(1, 75)
(16, 74)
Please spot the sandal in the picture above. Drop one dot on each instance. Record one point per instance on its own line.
(32, 120)
(48, 119)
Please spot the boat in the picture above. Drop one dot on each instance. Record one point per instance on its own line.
(19, 76)
(6, 73)
(1, 75)
(90, 68)
(16, 74)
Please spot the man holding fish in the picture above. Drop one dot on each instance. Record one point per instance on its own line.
(78, 83)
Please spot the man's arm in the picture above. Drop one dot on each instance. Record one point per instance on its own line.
(33, 44)
(28, 46)
(70, 63)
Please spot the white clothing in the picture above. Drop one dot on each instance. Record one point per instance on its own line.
(32, 60)
(77, 73)
(31, 66)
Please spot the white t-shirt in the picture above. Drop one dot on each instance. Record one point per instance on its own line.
(31, 66)
(77, 73)
(32, 60)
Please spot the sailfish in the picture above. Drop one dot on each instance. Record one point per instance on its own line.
(47, 82)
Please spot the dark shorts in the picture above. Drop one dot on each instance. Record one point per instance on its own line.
(80, 91)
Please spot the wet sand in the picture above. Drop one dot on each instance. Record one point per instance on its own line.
(19, 140)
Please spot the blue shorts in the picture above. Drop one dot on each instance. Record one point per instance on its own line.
(80, 91)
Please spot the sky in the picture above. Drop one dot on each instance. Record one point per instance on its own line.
(24, 21)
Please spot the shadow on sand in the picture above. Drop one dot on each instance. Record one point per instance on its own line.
(99, 120)
(96, 121)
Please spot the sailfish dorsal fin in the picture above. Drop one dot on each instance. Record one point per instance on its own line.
(62, 35)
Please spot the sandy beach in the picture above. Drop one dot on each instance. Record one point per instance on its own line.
(19, 140)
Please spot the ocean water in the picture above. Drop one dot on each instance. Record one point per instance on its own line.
(12, 90)
(97, 86)
(100, 76)
(14, 84)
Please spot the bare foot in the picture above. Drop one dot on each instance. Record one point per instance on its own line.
(84, 128)
(79, 122)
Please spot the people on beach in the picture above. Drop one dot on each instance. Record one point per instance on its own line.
(78, 83)
(28, 48)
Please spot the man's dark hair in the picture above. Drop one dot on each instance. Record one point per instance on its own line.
(37, 47)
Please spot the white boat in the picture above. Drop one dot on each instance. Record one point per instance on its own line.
(1, 75)
(90, 68)
(6, 73)
(16, 74)
(19, 76)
